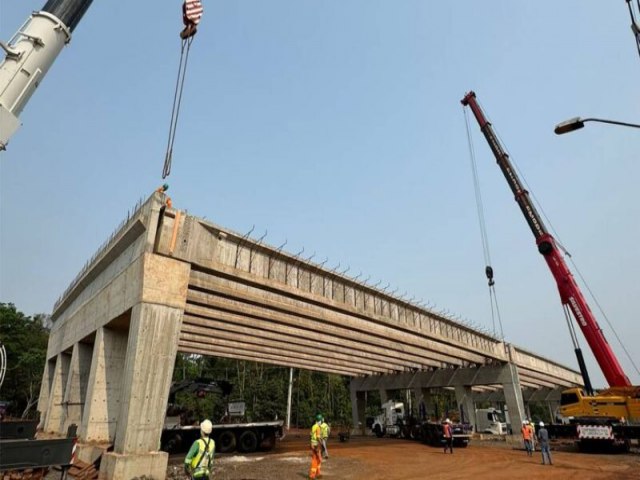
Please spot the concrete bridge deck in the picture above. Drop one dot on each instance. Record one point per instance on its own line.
(168, 281)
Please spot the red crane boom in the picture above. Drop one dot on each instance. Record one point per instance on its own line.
(570, 293)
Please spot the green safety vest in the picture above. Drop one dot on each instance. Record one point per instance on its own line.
(324, 428)
(315, 435)
(203, 459)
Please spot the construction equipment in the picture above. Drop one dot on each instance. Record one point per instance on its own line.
(394, 422)
(492, 421)
(594, 415)
(29, 55)
(232, 432)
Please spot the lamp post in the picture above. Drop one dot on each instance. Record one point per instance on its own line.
(577, 123)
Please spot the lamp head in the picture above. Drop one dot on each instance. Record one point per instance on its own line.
(570, 125)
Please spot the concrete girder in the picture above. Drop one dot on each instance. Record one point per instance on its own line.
(240, 354)
(233, 322)
(263, 338)
(262, 346)
(275, 301)
(304, 327)
(376, 335)
(541, 379)
(486, 375)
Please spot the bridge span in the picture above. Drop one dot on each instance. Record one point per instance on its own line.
(168, 282)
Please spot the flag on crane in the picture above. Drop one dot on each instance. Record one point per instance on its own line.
(191, 15)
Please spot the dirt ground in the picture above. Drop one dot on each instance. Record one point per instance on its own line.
(391, 459)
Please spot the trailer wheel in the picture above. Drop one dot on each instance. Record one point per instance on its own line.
(378, 431)
(227, 442)
(248, 441)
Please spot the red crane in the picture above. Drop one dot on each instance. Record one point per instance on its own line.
(570, 293)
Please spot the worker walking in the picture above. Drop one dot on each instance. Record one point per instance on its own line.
(199, 461)
(543, 440)
(447, 431)
(532, 429)
(316, 452)
(324, 436)
(526, 437)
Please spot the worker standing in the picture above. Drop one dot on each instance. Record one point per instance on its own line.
(316, 453)
(532, 429)
(543, 440)
(324, 436)
(526, 437)
(199, 461)
(447, 430)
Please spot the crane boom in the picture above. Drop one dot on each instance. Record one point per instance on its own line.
(570, 293)
(30, 54)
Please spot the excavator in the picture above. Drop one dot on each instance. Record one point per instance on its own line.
(611, 416)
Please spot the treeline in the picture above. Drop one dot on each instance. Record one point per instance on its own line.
(264, 389)
(25, 341)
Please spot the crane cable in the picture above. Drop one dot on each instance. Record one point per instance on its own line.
(635, 23)
(495, 310)
(191, 15)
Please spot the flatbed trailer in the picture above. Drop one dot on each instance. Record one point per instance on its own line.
(229, 437)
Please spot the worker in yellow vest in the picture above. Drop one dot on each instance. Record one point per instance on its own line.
(316, 452)
(324, 436)
(199, 461)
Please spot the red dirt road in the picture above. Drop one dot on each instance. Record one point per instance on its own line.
(367, 458)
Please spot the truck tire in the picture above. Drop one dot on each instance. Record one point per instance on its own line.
(377, 429)
(248, 442)
(226, 442)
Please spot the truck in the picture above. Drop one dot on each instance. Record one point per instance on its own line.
(232, 432)
(598, 421)
(393, 421)
(492, 421)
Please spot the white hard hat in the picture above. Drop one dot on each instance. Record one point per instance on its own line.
(447, 421)
(524, 422)
(206, 427)
(541, 424)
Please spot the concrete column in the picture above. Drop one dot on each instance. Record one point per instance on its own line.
(55, 412)
(76, 388)
(384, 395)
(513, 398)
(358, 410)
(423, 397)
(45, 390)
(151, 354)
(104, 388)
(464, 399)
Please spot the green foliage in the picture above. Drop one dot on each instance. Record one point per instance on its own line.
(264, 390)
(25, 339)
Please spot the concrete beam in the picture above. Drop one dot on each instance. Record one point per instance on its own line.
(258, 337)
(225, 352)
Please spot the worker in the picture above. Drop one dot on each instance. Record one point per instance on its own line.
(526, 437)
(532, 428)
(324, 436)
(447, 430)
(316, 453)
(199, 461)
(543, 440)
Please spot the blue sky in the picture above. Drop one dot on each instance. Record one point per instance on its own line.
(338, 127)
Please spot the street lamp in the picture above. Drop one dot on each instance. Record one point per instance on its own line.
(577, 123)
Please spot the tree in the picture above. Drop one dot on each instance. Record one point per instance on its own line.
(25, 339)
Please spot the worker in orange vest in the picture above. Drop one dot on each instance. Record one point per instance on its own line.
(526, 437)
(316, 448)
(447, 431)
